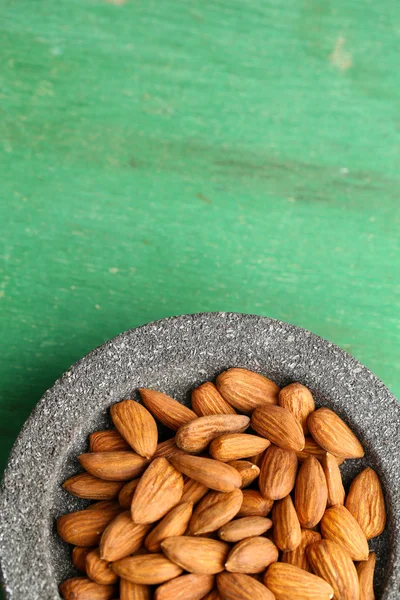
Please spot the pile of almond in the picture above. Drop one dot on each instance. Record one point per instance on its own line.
(217, 512)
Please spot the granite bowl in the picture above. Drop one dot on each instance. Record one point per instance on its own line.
(174, 355)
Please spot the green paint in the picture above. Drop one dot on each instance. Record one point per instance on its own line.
(170, 157)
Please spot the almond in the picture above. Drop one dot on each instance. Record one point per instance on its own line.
(237, 586)
(234, 446)
(251, 555)
(159, 489)
(248, 471)
(82, 588)
(215, 510)
(298, 556)
(366, 503)
(245, 390)
(193, 491)
(311, 493)
(126, 494)
(279, 426)
(133, 591)
(332, 434)
(173, 524)
(299, 400)
(245, 527)
(167, 449)
(195, 436)
(311, 448)
(107, 441)
(330, 561)
(146, 569)
(170, 412)
(277, 473)
(84, 527)
(211, 473)
(136, 425)
(287, 581)
(206, 400)
(98, 570)
(254, 505)
(214, 595)
(79, 554)
(196, 554)
(122, 537)
(336, 493)
(339, 525)
(113, 466)
(85, 485)
(185, 587)
(287, 532)
(365, 572)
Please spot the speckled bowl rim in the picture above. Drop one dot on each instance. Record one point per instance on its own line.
(174, 354)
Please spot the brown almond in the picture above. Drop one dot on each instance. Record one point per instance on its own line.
(311, 448)
(248, 471)
(170, 412)
(173, 524)
(336, 493)
(254, 504)
(287, 581)
(159, 489)
(245, 390)
(311, 493)
(122, 537)
(146, 569)
(84, 527)
(108, 440)
(167, 449)
(196, 554)
(195, 436)
(215, 510)
(193, 491)
(213, 595)
(79, 554)
(287, 531)
(206, 400)
(234, 446)
(245, 527)
(365, 572)
(251, 555)
(366, 503)
(299, 400)
(113, 466)
(211, 473)
(98, 570)
(133, 591)
(298, 556)
(85, 485)
(81, 588)
(126, 494)
(185, 587)
(136, 425)
(279, 426)
(277, 473)
(330, 561)
(238, 586)
(339, 525)
(332, 434)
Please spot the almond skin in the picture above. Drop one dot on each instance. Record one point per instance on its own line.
(126, 494)
(170, 412)
(113, 466)
(211, 473)
(193, 491)
(298, 556)
(299, 400)
(195, 436)
(133, 591)
(279, 426)
(206, 400)
(244, 528)
(311, 448)
(185, 587)
(84, 527)
(136, 425)
(98, 570)
(277, 473)
(215, 510)
(248, 471)
(167, 449)
(146, 569)
(159, 489)
(108, 440)
(82, 588)
(332, 434)
(254, 505)
(287, 532)
(234, 446)
(245, 390)
(85, 485)
(339, 525)
(286, 581)
(79, 554)
(330, 561)
(365, 572)
(251, 555)
(336, 493)
(122, 537)
(173, 524)
(196, 554)
(311, 493)
(237, 586)
(366, 503)
(214, 595)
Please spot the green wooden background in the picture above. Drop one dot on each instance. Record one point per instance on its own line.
(169, 156)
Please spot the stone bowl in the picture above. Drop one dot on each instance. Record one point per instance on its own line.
(174, 355)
